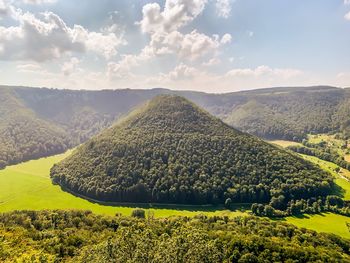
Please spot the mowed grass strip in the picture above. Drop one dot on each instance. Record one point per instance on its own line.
(27, 186)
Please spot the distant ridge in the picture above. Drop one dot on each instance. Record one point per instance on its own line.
(275, 113)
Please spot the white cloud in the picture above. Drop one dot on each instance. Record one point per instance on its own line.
(264, 71)
(346, 2)
(347, 16)
(39, 2)
(212, 62)
(163, 27)
(122, 69)
(28, 68)
(227, 38)
(182, 72)
(223, 8)
(195, 45)
(250, 33)
(175, 15)
(70, 66)
(191, 46)
(48, 37)
(187, 77)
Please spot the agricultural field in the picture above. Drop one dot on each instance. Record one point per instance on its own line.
(27, 186)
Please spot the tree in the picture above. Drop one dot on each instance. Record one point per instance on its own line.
(139, 213)
(228, 203)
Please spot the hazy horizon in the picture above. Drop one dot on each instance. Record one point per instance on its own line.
(214, 46)
(171, 89)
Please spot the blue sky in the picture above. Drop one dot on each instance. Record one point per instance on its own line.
(204, 45)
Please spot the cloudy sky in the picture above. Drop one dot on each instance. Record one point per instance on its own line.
(204, 45)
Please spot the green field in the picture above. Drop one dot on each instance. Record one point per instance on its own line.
(27, 186)
(326, 222)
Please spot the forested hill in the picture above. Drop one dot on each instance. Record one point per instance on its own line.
(172, 151)
(290, 113)
(280, 113)
(23, 136)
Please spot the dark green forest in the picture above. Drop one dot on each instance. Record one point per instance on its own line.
(80, 236)
(51, 120)
(171, 151)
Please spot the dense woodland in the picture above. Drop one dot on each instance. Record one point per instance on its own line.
(279, 208)
(171, 151)
(67, 118)
(80, 236)
(23, 136)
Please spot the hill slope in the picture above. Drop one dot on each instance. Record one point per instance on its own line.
(171, 151)
(23, 136)
(276, 113)
(289, 113)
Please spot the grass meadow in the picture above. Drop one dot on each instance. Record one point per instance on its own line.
(27, 186)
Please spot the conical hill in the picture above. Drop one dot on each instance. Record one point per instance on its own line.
(171, 151)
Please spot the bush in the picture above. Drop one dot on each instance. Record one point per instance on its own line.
(139, 213)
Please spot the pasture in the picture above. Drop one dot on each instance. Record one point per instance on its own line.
(27, 186)
(325, 222)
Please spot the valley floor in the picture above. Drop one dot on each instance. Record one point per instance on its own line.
(27, 186)
(326, 222)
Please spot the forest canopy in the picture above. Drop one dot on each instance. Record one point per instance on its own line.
(172, 151)
(80, 236)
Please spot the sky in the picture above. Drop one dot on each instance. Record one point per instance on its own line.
(213, 46)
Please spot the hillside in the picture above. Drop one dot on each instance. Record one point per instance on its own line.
(276, 113)
(290, 113)
(171, 151)
(80, 236)
(23, 136)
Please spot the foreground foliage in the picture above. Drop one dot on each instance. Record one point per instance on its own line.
(80, 236)
(171, 151)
